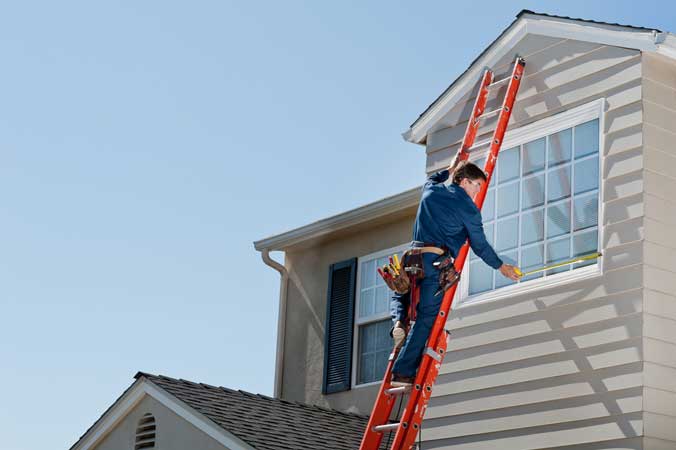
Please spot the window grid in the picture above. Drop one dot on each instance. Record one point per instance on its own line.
(547, 172)
(373, 343)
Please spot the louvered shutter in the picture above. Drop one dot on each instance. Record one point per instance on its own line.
(339, 326)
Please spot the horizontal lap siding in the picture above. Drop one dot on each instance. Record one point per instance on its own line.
(562, 366)
(659, 328)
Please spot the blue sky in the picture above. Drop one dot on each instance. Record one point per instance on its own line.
(145, 145)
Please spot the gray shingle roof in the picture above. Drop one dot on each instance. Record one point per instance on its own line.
(267, 423)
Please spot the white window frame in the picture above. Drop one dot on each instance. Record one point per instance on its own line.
(545, 127)
(372, 319)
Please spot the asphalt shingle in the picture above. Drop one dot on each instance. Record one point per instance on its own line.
(267, 423)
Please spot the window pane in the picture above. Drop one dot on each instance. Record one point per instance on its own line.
(368, 274)
(558, 219)
(533, 191)
(382, 302)
(381, 262)
(587, 138)
(584, 244)
(508, 199)
(366, 302)
(488, 231)
(366, 368)
(508, 258)
(558, 183)
(488, 208)
(508, 164)
(480, 277)
(507, 234)
(560, 147)
(532, 258)
(558, 251)
(375, 344)
(586, 211)
(586, 175)
(533, 156)
(532, 226)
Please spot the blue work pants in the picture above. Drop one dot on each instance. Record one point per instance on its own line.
(411, 352)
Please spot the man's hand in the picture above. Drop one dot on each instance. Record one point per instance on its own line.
(509, 271)
(454, 165)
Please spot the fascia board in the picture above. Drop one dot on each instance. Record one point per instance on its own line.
(341, 221)
(133, 396)
(666, 45)
(417, 133)
(533, 24)
(111, 417)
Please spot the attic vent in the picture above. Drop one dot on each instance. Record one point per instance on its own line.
(145, 432)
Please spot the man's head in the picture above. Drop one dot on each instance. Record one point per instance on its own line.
(469, 177)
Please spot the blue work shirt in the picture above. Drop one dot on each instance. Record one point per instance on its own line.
(447, 216)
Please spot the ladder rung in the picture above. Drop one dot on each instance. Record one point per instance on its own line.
(495, 112)
(499, 82)
(386, 428)
(480, 144)
(398, 390)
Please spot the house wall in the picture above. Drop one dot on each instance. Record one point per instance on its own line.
(561, 366)
(306, 311)
(659, 247)
(173, 432)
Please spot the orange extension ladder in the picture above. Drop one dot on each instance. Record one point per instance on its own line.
(406, 428)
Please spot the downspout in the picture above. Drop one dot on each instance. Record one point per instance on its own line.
(281, 319)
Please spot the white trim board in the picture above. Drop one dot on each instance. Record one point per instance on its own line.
(126, 403)
(345, 220)
(530, 23)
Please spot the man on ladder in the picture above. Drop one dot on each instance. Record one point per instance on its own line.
(446, 218)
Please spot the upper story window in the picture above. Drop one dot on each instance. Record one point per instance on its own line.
(542, 206)
(373, 343)
(145, 432)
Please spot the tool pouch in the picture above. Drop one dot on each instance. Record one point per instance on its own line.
(412, 261)
(398, 282)
(447, 273)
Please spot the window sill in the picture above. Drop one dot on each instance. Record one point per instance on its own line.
(584, 273)
(367, 385)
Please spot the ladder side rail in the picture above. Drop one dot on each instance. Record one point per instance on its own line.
(414, 411)
(384, 403)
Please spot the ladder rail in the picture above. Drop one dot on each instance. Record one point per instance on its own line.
(382, 408)
(417, 404)
(421, 391)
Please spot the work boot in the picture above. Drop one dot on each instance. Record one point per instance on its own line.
(398, 335)
(401, 381)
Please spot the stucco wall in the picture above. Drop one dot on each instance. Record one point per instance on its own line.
(173, 432)
(306, 312)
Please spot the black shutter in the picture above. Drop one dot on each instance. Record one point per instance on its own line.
(339, 325)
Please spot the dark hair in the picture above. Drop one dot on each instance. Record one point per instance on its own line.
(468, 170)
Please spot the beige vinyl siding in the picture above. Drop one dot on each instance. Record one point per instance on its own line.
(659, 329)
(561, 366)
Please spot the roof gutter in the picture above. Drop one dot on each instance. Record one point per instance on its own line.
(281, 319)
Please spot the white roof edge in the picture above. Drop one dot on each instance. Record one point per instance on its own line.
(533, 23)
(139, 389)
(341, 221)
